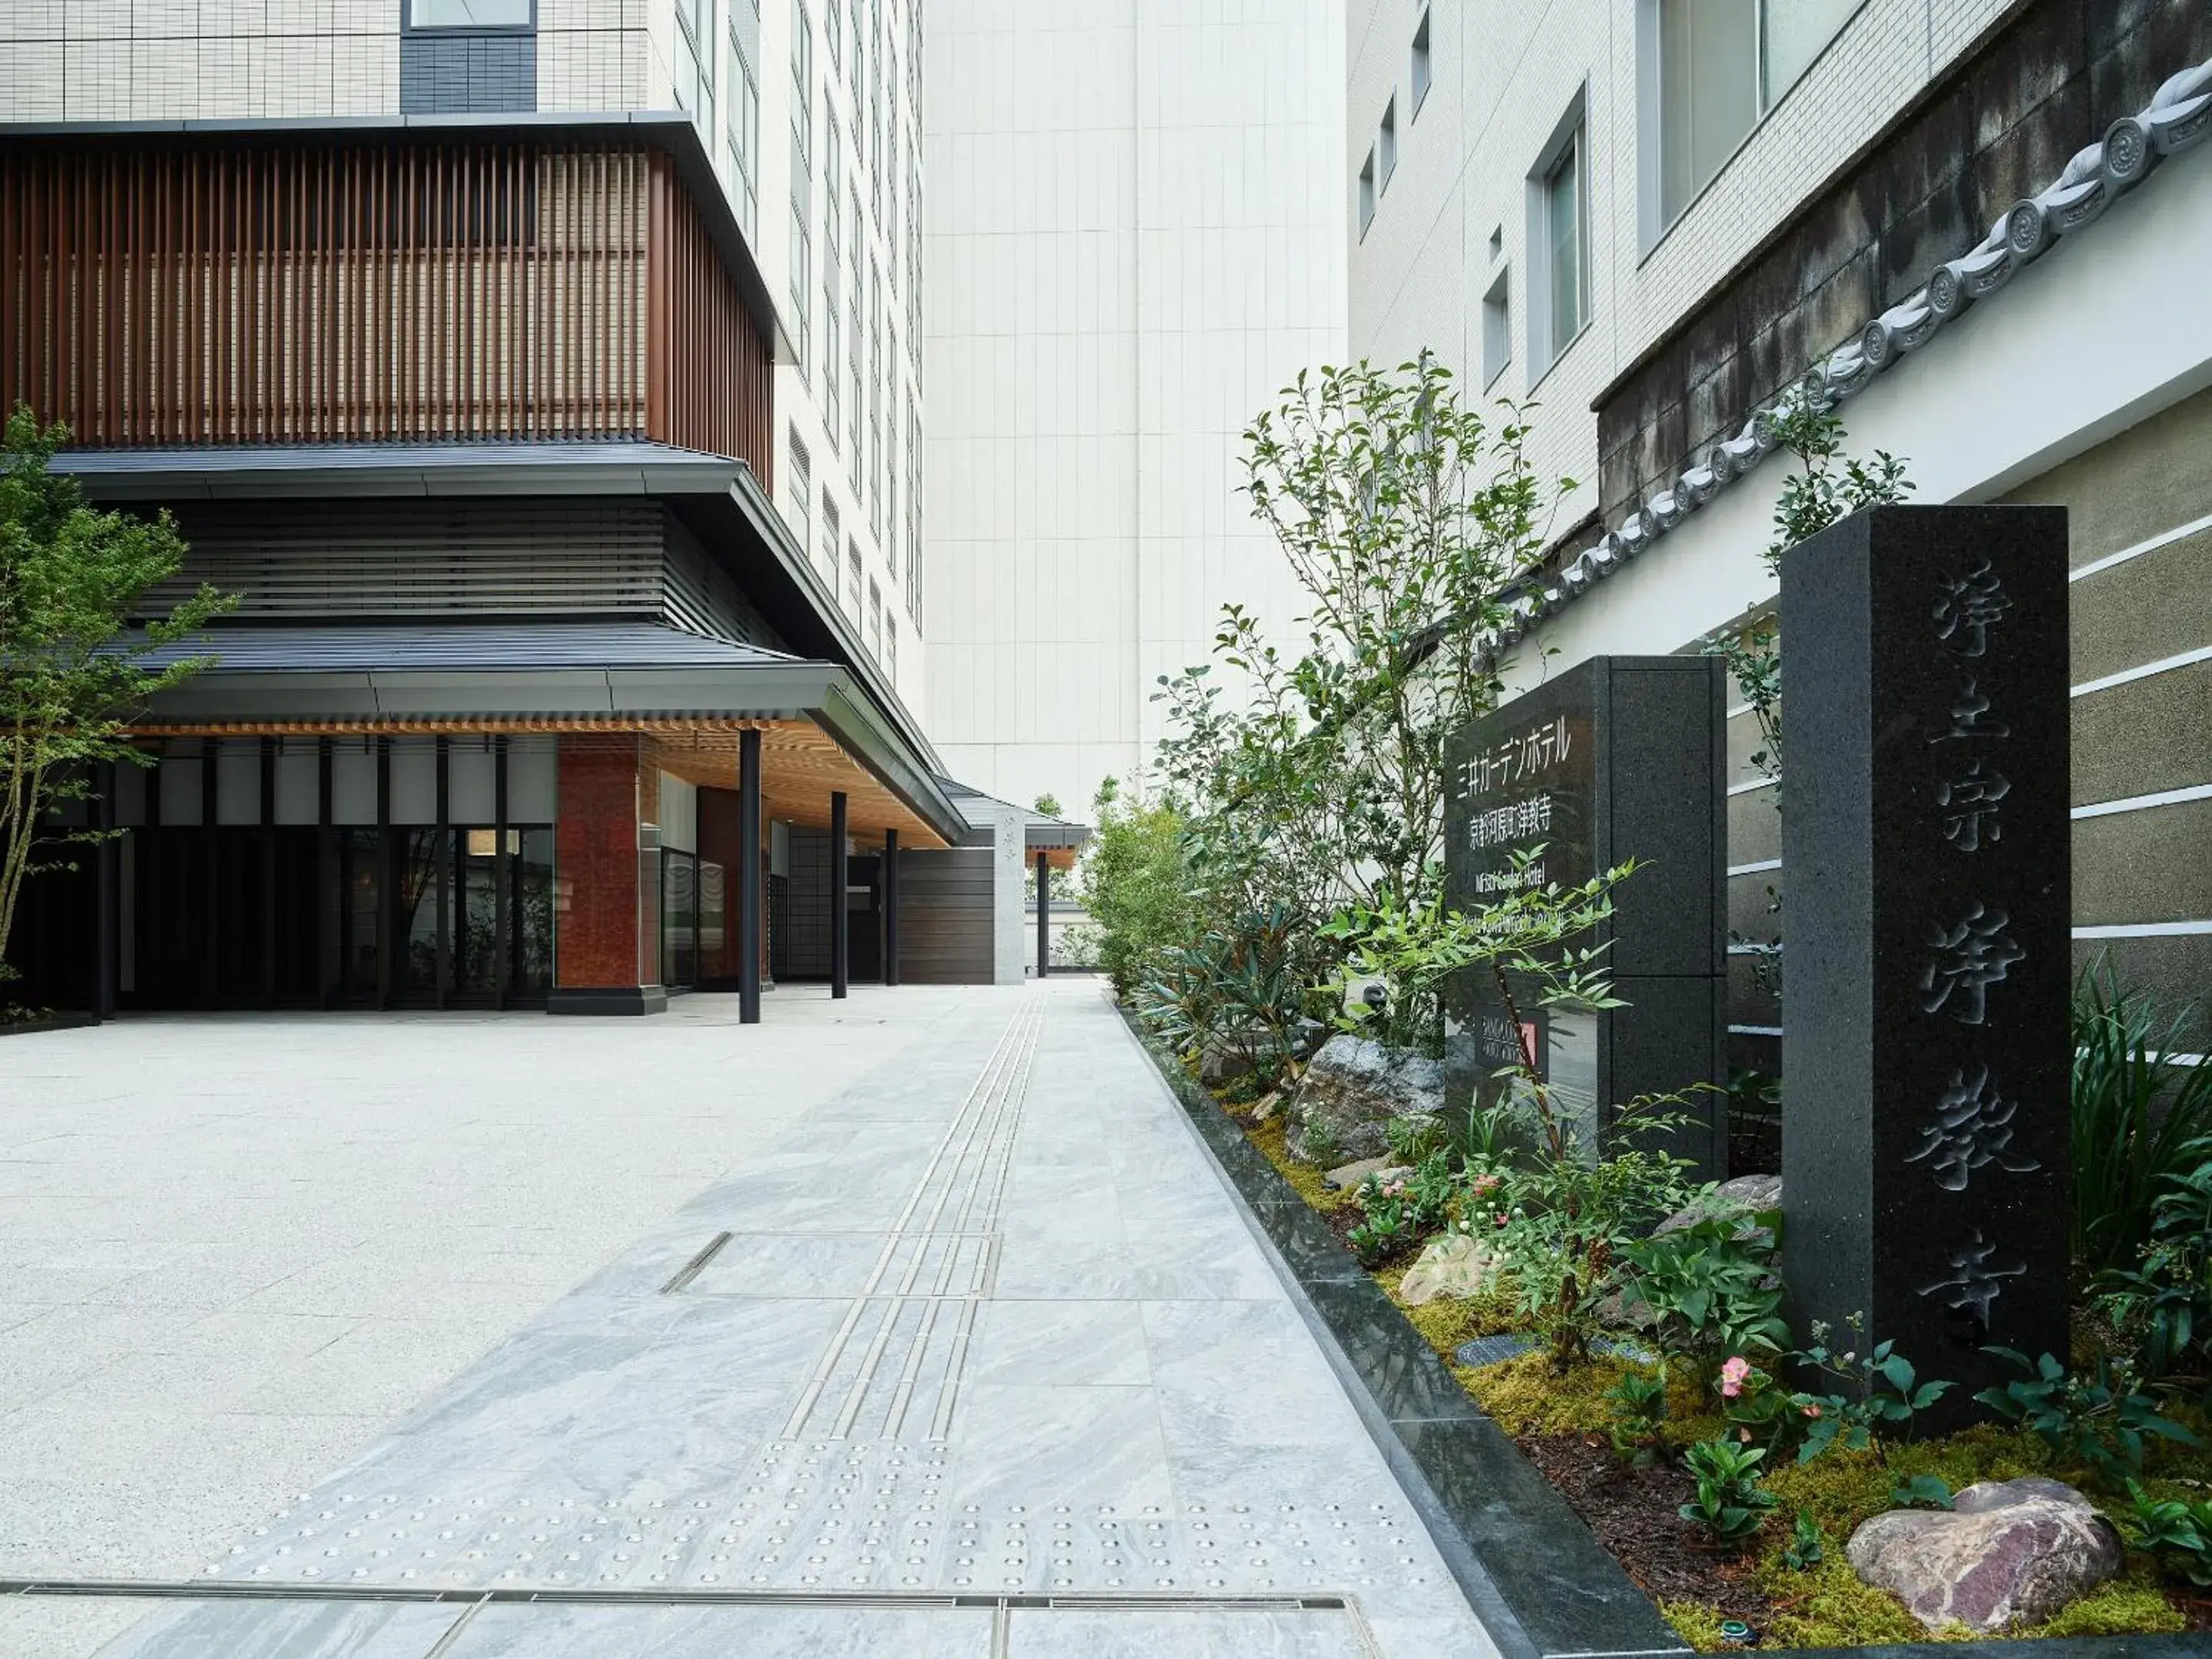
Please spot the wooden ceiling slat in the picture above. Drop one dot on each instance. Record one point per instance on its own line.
(801, 763)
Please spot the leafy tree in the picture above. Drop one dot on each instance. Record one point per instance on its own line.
(1133, 874)
(72, 677)
(1319, 787)
(1047, 804)
(1831, 487)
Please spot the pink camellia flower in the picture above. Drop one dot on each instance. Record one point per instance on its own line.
(1733, 1375)
(1483, 1185)
(1811, 1411)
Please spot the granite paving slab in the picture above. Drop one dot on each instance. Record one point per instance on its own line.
(1017, 1426)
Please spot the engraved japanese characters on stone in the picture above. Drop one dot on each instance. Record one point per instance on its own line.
(1970, 718)
(1968, 960)
(1969, 1130)
(1967, 607)
(1969, 806)
(1978, 1276)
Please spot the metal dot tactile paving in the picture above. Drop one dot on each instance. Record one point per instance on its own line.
(841, 1515)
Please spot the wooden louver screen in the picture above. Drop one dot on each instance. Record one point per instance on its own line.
(372, 291)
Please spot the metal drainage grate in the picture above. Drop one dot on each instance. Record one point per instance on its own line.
(697, 1265)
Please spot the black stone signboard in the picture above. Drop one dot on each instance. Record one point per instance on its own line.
(1925, 1149)
(1616, 757)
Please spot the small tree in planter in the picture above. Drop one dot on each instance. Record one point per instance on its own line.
(1405, 517)
(71, 676)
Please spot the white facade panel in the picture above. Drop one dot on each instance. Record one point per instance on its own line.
(1131, 245)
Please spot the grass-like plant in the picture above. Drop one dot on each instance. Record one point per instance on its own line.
(2142, 1117)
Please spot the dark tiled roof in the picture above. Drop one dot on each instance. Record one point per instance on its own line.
(1041, 828)
(462, 646)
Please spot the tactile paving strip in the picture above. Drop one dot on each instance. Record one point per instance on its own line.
(828, 1514)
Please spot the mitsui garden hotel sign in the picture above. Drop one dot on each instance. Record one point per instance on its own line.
(1520, 817)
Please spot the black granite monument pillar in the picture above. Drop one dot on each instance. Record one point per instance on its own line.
(1618, 758)
(1925, 1163)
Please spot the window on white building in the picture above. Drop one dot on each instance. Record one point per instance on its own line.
(1367, 192)
(1558, 243)
(1497, 328)
(802, 181)
(470, 14)
(1386, 146)
(1423, 73)
(695, 64)
(1716, 68)
(890, 649)
(833, 358)
(826, 554)
(799, 491)
(875, 619)
(742, 130)
(852, 579)
(855, 345)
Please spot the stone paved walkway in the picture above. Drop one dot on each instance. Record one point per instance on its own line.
(977, 1358)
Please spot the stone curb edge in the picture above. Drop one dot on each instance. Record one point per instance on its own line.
(1536, 1576)
(1540, 1582)
(50, 1023)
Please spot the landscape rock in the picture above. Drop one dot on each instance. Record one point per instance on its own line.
(1352, 1088)
(2010, 1552)
(1455, 1265)
(1348, 1176)
(1750, 1192)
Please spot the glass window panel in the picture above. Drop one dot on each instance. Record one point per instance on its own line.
(468, 14)
(713, 910)
(1797, 30)
(475, 930)
(679, 919)
(534, 910)
(1563, 193)
(359, 867)
(1708, 91)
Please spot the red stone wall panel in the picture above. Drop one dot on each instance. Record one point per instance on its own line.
(596, 864)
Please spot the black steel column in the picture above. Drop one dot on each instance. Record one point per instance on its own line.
(330, 926)
(441, 851)
(503, 972)
(106, 945)
(890, 906)
(211, 840)
(840, 928)
(1044, 915)
(387, 875)
(749, 877)
(268, 872)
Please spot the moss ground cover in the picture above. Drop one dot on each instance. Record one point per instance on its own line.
(1563, 1418)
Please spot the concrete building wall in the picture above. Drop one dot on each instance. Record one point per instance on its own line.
(1132, 243)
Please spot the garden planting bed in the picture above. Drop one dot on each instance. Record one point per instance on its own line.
(1559, 1422)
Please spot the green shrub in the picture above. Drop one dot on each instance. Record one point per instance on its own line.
(2096, 1417)
(2163, 1307)
(1730, 1503)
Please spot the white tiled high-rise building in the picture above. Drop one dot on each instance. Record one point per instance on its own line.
(808, 108)
(1134, 238)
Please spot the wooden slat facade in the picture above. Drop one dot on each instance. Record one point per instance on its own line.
(352, 291)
